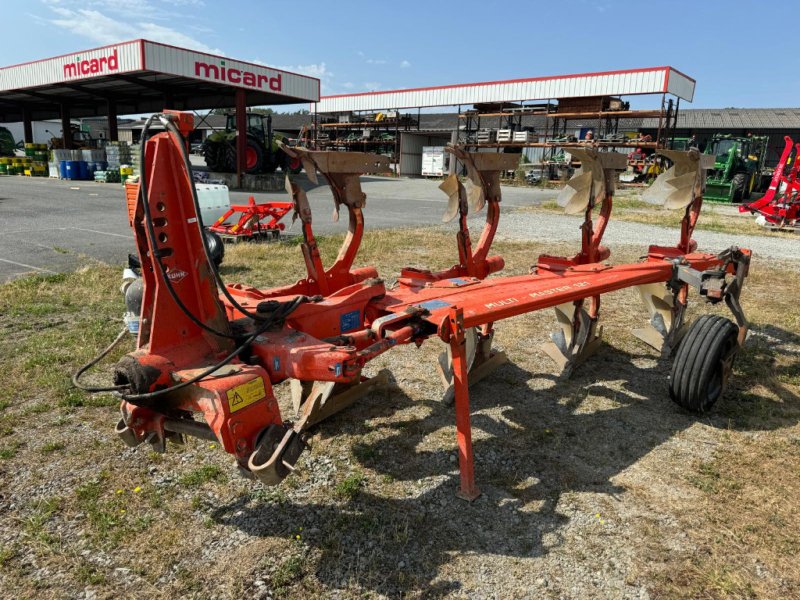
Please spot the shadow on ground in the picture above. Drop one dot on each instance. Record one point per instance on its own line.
(538, 447)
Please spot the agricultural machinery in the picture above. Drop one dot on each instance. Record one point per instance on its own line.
(263, 153)
(779, 208)
(7, 143)
(738, 163)
(209, 353)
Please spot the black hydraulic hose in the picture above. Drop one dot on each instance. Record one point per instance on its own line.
(76, 377)
(282, 312)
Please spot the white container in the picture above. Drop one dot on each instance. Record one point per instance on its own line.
(504, 135)
(433, 161)
(214, 201)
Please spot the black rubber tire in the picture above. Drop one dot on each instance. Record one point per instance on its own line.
(230, 157)
(216, 247)
(702, 363)
(286, 164)
(215, 156)
(738, 185)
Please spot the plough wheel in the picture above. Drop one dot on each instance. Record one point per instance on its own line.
(703, 363)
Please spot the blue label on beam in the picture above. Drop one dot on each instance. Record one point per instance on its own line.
(349, 321)
(433, 304)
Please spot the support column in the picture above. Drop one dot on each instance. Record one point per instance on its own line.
(66, 130)
(241, 135)
(27, 125)
(113, 134)
(467, 490)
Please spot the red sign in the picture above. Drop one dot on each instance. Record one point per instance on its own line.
(237, 76)
(92, 65)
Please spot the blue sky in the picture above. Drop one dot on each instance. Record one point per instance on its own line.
(739, 51)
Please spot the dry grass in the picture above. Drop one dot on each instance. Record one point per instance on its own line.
(716, 217)
(596, 484)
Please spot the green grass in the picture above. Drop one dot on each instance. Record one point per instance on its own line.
(51, 447)
(201, 475)
(350, 486)
(289, 571)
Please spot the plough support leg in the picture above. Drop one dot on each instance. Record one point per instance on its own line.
(482, 361)
(467, 490)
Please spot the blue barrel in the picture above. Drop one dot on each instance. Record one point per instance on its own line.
(83, 170)
(101, 165)
(73, 169)
(62, 169)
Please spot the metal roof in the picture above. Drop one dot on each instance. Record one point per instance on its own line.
(141, 76)
(653, 80)
(735, 118)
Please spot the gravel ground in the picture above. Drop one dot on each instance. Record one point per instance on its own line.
(542, 227)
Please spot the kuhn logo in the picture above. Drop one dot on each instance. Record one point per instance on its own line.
(176, 275)
(238, 76)
(93, 65)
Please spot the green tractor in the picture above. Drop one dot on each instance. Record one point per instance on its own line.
(7, 143)
(738, 164)
(262, 155)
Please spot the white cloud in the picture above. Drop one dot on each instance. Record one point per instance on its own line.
(348, 85)
(404, 64)
(98, 27)
(372, 85)
(375, 61)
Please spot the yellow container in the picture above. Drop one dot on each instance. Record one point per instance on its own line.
(27, 172)
(6, 160)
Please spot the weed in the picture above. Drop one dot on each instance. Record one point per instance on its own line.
(50, 447)
(201, 475)
(290, 570)
(10, 451)
(88, 574)
(350, 486)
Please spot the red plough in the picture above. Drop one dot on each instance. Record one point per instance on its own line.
(779, 208)
(255, 221)
(208, 354)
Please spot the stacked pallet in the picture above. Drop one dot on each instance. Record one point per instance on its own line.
(504, 135)
(486, 136)
(117, 154)
(524, 137)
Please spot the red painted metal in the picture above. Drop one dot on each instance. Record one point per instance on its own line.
(467, 490)
(780, 208)
(331, 337)
(251, 221)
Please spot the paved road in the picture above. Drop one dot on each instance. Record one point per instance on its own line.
(47, 225)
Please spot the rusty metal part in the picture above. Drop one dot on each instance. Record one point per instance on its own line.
(667, 311)
(593, 182)
(678, 186)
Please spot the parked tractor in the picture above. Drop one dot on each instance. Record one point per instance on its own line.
(737, 167)
(262, 155)
(7, 143)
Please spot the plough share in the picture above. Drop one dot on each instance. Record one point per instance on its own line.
(209, 354)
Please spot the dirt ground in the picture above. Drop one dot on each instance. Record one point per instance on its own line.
(593, 487)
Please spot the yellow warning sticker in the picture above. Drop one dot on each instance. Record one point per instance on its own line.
(246, 394)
